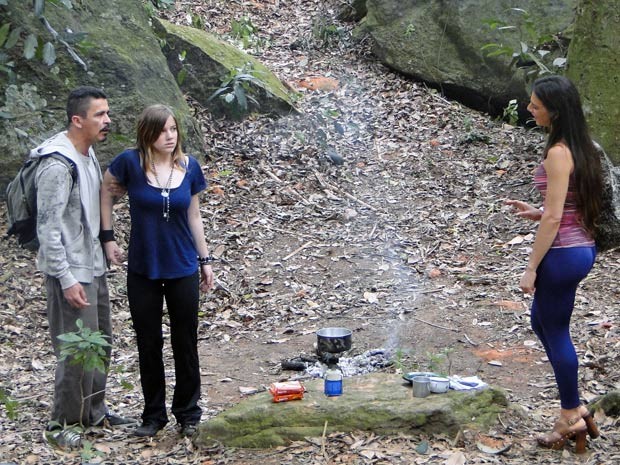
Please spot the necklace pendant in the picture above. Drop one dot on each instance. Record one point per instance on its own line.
(164, 193)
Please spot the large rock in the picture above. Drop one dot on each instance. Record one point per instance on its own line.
(199, 60)
(608, 403)
(594, 66)
(123, 57)
(377, 402)
(353, 10)
(440, 42)
(608, 234)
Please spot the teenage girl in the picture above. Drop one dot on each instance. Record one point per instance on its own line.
(168, 260)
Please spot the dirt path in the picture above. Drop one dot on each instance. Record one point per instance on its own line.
(406, 243)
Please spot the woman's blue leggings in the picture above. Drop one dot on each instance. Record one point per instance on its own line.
(558, 276)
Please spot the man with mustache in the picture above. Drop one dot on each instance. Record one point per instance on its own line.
(71, 256)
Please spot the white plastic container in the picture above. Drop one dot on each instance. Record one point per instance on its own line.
(439, 385)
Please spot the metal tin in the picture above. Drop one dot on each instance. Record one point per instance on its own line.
(421, 386)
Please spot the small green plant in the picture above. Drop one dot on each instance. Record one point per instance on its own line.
(402, 363)
(236, 91)
(163, 4)
(471, 134)
(86, 348)
(531, 52)
(123, 380)
(326, 33)
(437, 362)
(15, 46)
(197, 22)
(331, 112)
(409, 30)
(10, 405)
(398, 360)
(511, 114)
(468, 124)
(88, 452)
(243, 30)
(183, 72)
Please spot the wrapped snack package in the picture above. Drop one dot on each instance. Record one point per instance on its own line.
(290, 390)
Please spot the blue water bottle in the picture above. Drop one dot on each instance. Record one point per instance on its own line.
(333, 382)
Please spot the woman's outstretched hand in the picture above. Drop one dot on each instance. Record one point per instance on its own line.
(524, 209)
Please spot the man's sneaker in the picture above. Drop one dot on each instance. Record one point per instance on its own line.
(112, 419)
(67, 438)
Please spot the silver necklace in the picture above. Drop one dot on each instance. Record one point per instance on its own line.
(165, 191)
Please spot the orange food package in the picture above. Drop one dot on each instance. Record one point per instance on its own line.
(290, 390)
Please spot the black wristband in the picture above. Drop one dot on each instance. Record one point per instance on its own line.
(106, 235)
(205, 260)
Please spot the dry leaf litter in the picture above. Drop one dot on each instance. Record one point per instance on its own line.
(377, 208)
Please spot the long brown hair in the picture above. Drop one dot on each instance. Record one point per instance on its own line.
(568, 126)
(150, 125)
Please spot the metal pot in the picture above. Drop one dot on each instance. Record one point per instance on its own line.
(333, 340)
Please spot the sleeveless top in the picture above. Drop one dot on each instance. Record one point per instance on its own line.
(571, 232)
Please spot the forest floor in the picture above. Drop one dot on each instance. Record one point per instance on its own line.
(377, 208)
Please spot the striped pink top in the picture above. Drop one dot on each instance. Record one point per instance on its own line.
(571, 232)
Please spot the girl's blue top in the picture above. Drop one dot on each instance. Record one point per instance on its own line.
(159, 249)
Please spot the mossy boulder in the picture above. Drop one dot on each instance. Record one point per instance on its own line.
(122, 55)
(440, 42)
(608, 233)
(200, 61)
(354, 10)
(608, 403)
(377, 402)
(594, 67)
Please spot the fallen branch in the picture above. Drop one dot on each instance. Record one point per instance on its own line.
(323, 451)
(372, 233)
(434, 325)
(284, 231)
(430, 291)
(469, 340)
(355, 199)
(287, 189)
(296, 251)
(269, 173)
(346, 194)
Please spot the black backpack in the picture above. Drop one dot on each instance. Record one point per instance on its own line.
(21, 200)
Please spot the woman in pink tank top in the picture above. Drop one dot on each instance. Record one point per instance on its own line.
(570, 182)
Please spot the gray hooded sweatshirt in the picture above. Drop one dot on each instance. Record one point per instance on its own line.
(68, 215)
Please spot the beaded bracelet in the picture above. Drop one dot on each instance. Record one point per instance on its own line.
(206, 260)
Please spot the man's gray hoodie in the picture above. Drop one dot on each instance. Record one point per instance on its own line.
(67, 239)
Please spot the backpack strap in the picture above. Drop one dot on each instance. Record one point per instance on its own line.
(67, 161)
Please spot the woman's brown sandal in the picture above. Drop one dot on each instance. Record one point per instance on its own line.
(593, 431)
(562, 432)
